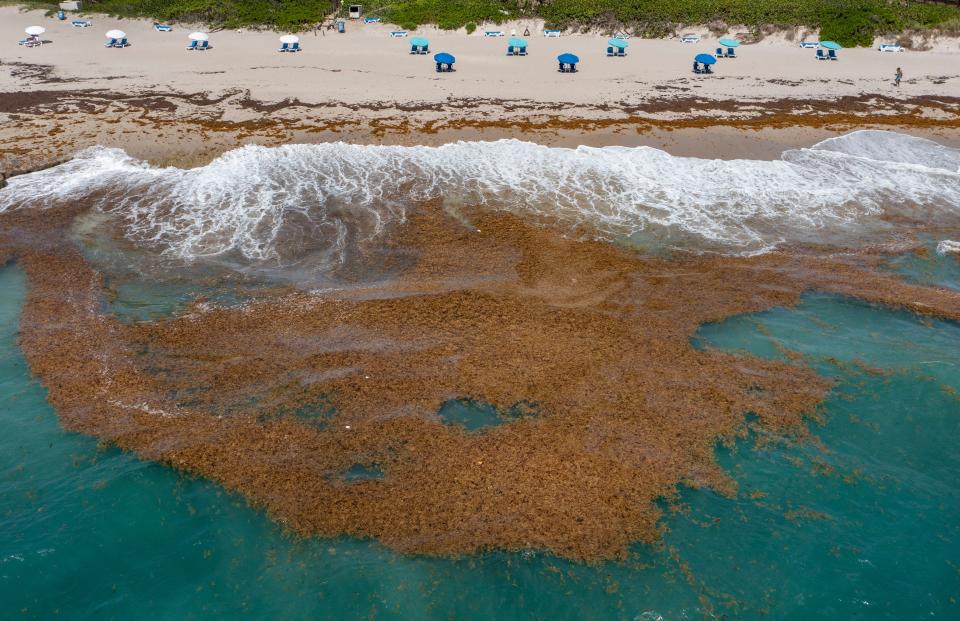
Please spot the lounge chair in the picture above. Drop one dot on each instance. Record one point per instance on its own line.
(80, 23)
(551, 33)
(719, 52)
(890, 47)
(621, 51)
(731, 53)
(832, 54)
(162, 27)
(493, 33)
(121, 42)
(690, 38)
(110, 43)
(204, 45)
(522, 51)
(295, 47)
(398, 33)
(610, 51)
(809, 45)
(192, 46)
(821, 55)
(371, 20)
(284, 48)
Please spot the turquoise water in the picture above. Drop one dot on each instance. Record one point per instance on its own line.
(865, 528)
(931, 269)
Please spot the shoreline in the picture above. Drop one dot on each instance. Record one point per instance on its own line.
(43, 128)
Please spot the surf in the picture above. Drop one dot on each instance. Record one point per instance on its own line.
(261, 203)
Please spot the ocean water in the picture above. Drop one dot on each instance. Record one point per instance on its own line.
(311, 205)
(862, 526)
(863, 523)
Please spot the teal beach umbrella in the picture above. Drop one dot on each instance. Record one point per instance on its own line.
(618, 43)
(729, 43)
(831, 45)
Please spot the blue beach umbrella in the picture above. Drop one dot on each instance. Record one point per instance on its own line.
(568, 58)
(618, 43)
(444, 58)
(517, 42)
(831, 45)
(419, 41)
(706, 59)
(729, 43)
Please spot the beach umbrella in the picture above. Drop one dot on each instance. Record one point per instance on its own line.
(116, 34)
(35, 30)
(706, 59)
(618, 43)
(198, 36)
(288, 39)
(419, 42)
(517, 42)
(444, 58)
(831, 45)
(568, 58)
(729, 43)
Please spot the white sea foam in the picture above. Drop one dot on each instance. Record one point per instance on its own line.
(948, 246)
(258, 201)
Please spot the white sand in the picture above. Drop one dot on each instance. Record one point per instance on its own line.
(366, 65)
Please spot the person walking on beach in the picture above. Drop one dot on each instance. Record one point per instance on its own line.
(897, 77)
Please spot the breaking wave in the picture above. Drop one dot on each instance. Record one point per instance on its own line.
(263, 203)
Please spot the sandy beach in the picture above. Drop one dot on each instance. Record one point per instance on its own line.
(364, 86)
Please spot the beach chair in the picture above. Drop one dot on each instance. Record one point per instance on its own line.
(821, 55)
(696, 67)
(162, 27)
(398, 33)
(832, 54)
(509, 50)
(551, 33)
(890, 47)
(192, 46)
(610, 51)
(620, 51)
(731, 53)
(522, 50)
(707, 69)
(371, 20)
(204, 45)
(719, 52)
(111, 43)
(284, 48)
(121, 42)
(493, 33)
(80, 23)
(690, 38)
(295, 47)
(809, 45)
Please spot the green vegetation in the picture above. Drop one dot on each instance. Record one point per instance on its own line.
(851, 22)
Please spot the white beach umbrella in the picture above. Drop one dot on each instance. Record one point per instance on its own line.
(116, 34)
(289, 39)
(199, 36)
(35, 30)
